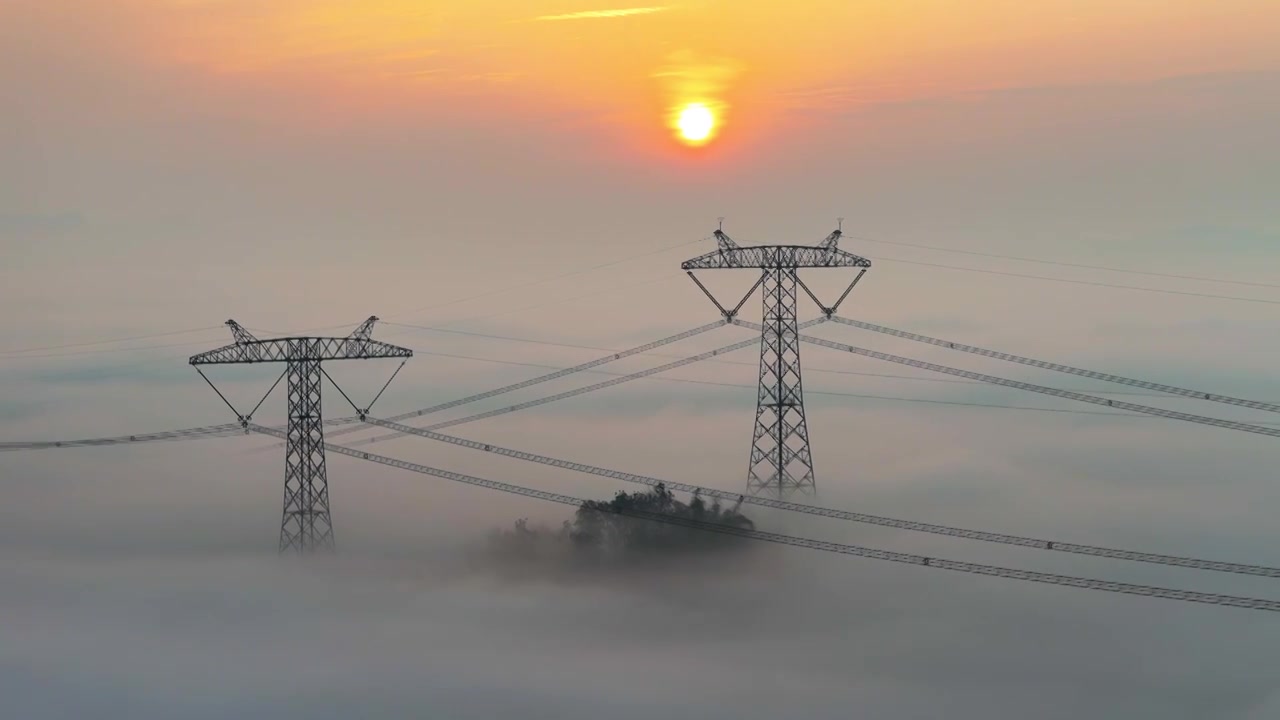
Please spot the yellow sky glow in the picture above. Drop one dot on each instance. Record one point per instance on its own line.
(590, 14)
(750, 61)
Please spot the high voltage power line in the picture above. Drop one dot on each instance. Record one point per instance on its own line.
(429, 431)
(1056, 367)
(1001, 538)
(577, 391)
(719, 361)
(581, 271)
(228, 429)
(195, 433)
(808, 543)
(780, 414)
(1088, 283)
(108, 342)
(531, 283)
(563, 372)
(103, 351)
(560, 276)
(233, 428)
(1067, 394)
(832, 393)
(17, 356)
(184, 434)
(654, 280)
(1060, 263)
(559, 373)
(563, 395)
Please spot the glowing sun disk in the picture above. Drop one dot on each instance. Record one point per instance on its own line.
(695, 122)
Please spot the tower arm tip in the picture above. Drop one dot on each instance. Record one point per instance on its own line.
(241, 335)
(365, 331)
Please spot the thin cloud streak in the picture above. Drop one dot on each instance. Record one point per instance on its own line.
(593, 14)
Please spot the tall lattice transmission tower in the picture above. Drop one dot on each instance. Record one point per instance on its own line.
(305, 524)
(781, 459)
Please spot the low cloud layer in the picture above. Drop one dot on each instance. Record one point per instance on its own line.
(143, 582)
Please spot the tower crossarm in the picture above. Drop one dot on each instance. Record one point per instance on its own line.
(300, 348)
(775, 256)
(305, 521)
(781, 459)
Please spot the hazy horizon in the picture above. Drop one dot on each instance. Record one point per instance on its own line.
(517, 169)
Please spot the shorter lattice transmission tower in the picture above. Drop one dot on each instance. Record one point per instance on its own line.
(306, 524)
(781, 459)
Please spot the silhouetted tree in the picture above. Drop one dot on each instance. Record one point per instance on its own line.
(625, 525)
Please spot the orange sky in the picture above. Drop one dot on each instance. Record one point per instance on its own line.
(629, 64)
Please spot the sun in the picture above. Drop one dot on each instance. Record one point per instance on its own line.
(695, 123)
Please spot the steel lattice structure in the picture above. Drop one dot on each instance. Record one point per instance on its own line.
(306, 486)
(306, 524)
(781, 459)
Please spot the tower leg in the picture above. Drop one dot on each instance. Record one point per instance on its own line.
(781, 463)
(305, 526)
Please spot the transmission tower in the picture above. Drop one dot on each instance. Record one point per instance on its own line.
(305, 525)
(781, 460)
